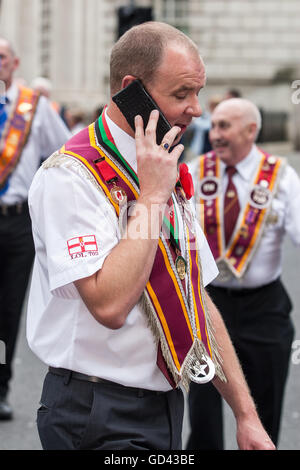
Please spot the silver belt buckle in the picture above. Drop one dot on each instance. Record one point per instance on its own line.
(202, 370)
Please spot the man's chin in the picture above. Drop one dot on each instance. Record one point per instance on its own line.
(221, 152)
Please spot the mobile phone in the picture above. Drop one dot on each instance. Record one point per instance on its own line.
(134, 100)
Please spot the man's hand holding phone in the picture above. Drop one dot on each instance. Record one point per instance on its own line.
(135, 100)
(156, 166)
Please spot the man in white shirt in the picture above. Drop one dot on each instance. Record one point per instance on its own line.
(29, 131)
(121, 317)
(246, 200)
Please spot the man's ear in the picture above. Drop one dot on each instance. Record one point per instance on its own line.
(127, 80)
(16, 63)
(252, 129)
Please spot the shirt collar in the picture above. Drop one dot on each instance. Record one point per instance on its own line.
(248, 165)
(12, 92)
(124, 142)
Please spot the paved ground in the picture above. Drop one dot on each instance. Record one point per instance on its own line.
(21, 433)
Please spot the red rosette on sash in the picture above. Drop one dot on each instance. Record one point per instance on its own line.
(186, 180)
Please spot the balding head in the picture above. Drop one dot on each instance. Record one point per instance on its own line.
(5, 43)
(140, 51)
(8, 62)
(247, 111)
(235, 127)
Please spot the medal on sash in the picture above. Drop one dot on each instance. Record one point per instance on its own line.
(202, 370)
(180, 264)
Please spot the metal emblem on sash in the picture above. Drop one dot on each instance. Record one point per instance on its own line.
(180, 264)
(24, 108)
(209, 187)
(264, 183)
(230, 194)
(272, 218)
(202, 370)
(260, 196)
(224, 272)
(118, 195)
(239, 250)
(271, 160)
(244, 231)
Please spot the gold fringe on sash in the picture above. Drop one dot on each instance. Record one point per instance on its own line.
(196, 351)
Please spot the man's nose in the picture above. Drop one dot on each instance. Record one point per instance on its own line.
(194, 108)
(214, 133)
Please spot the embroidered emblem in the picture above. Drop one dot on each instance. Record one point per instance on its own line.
(118, 195)
(24, 107)
(272, 218)
(260, 197)
(209, 188)
(81, 247)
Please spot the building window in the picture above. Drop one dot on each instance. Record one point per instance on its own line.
(173, 12)
(45, 37)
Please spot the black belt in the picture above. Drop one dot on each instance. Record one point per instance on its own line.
(15, 209)
(69, 374)
(244, 291)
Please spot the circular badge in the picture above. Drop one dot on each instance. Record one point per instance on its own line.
(24, 108)
(118, 195)
(272, 218)
(260, 197)
(239, 250)
(264, 183)
(271, 160)
(224, 272)
(203, 370)
(180, 264)
(209, 187)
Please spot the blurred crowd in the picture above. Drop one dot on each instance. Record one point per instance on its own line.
(74, 116)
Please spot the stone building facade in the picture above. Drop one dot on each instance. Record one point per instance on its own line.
(252, 45)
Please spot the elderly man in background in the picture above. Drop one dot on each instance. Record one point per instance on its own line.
(246, 200)
(30, 130)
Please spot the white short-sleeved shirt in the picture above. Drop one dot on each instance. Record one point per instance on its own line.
(266, 263)
(65, 207)
(48, 133)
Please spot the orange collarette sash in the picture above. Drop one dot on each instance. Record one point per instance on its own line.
(175, 309)
(16, 131)
(249, 228)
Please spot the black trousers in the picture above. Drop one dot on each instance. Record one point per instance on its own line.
(16, 257)
(80, 415)
(259, 324)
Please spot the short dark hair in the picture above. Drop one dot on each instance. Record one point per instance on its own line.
(9, 46)
(139, 51)
(234, 93)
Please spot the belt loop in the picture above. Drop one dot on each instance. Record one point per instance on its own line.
(140, 393)
(19, 208)
(67, 377)
(4, 210)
